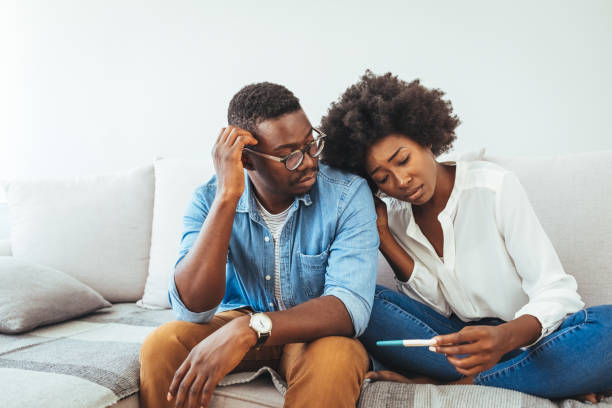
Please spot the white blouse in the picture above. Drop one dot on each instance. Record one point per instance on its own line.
(497, 260)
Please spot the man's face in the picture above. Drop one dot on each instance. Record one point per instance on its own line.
(279, 137)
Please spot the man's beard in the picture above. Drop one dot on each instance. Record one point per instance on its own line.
(313, 171)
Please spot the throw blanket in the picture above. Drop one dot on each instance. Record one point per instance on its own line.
(91, 362)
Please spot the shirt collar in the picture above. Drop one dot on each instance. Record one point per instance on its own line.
(247, 200)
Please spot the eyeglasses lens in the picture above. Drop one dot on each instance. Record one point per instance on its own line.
(294, 160)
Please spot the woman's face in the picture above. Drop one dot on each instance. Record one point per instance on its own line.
(402, 168)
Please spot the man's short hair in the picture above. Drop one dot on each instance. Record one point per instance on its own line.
(259, 102)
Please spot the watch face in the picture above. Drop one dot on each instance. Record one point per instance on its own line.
(261, 323)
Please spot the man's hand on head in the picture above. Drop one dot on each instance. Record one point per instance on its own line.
(227, 159)
(208, 362)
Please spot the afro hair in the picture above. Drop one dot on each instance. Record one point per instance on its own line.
(380, 105)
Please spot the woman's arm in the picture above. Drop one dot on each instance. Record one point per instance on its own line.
(413, 278)
(401, 263)
(552, 292)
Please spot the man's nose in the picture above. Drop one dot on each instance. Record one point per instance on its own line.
(307, 162)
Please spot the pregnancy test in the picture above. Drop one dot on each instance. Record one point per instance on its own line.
(407, 343)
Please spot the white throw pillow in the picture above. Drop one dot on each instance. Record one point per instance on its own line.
(95, 228)
(175, 181)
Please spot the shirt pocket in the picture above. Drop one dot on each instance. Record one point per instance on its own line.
(312, 273)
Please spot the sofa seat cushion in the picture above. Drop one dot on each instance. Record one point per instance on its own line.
(90, 362)
(385, 394)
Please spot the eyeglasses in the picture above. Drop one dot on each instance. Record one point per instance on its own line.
(293, 160)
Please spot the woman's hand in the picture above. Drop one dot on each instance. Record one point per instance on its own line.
(382, 222)
(483, 345)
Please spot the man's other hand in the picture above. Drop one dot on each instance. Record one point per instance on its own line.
(208, 362)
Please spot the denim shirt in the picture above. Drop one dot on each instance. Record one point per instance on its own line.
(329, 246)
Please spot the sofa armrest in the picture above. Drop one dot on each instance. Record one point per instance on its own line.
(5, 247)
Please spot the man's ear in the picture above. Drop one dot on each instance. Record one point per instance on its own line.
(246, 162)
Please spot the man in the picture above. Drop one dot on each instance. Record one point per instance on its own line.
(292, 240)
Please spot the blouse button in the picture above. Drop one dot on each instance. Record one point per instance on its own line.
(267, 277)
(267, 239)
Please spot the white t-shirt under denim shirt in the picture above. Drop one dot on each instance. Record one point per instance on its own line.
(275, 223)
(497, 259)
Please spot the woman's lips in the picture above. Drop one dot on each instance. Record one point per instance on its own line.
(415, 194)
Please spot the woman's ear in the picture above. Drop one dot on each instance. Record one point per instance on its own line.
(430, 151)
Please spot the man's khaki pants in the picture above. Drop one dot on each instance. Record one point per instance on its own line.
(327, 372)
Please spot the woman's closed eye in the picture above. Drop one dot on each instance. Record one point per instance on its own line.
(404, 161)
(382, 181)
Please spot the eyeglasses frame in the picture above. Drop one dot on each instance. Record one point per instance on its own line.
(304, 150)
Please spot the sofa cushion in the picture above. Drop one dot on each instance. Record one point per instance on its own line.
(96, 229)
(88, 362)
(175, 181)
(33, 295)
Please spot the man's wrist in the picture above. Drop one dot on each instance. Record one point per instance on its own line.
(227, 197)
(245, 334)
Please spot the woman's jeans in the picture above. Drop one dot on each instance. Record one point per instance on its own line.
(575, 359)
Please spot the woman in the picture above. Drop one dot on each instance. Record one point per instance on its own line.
(475, 269)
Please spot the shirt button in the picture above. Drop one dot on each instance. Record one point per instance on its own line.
(267, 239)
(271, 304)
(267, 277)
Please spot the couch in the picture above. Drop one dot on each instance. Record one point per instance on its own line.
(117, 235)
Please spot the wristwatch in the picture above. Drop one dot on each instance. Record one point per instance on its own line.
(262, 325)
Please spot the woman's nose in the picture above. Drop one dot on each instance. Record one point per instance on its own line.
(404, 181)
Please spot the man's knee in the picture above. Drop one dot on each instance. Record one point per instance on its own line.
(338, 355)
(160, 341)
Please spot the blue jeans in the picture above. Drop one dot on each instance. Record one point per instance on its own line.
(575, 359)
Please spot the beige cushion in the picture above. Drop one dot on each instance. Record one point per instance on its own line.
(96, 228)
(175, 181)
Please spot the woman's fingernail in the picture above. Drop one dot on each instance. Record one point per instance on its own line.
(432, 348)
(169, 397)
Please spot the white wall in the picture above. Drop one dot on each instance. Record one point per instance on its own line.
(96, 86)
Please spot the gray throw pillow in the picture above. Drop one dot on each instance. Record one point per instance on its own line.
(33, 295)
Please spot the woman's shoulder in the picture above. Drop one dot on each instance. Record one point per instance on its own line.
(393, 204)
(481, 174)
